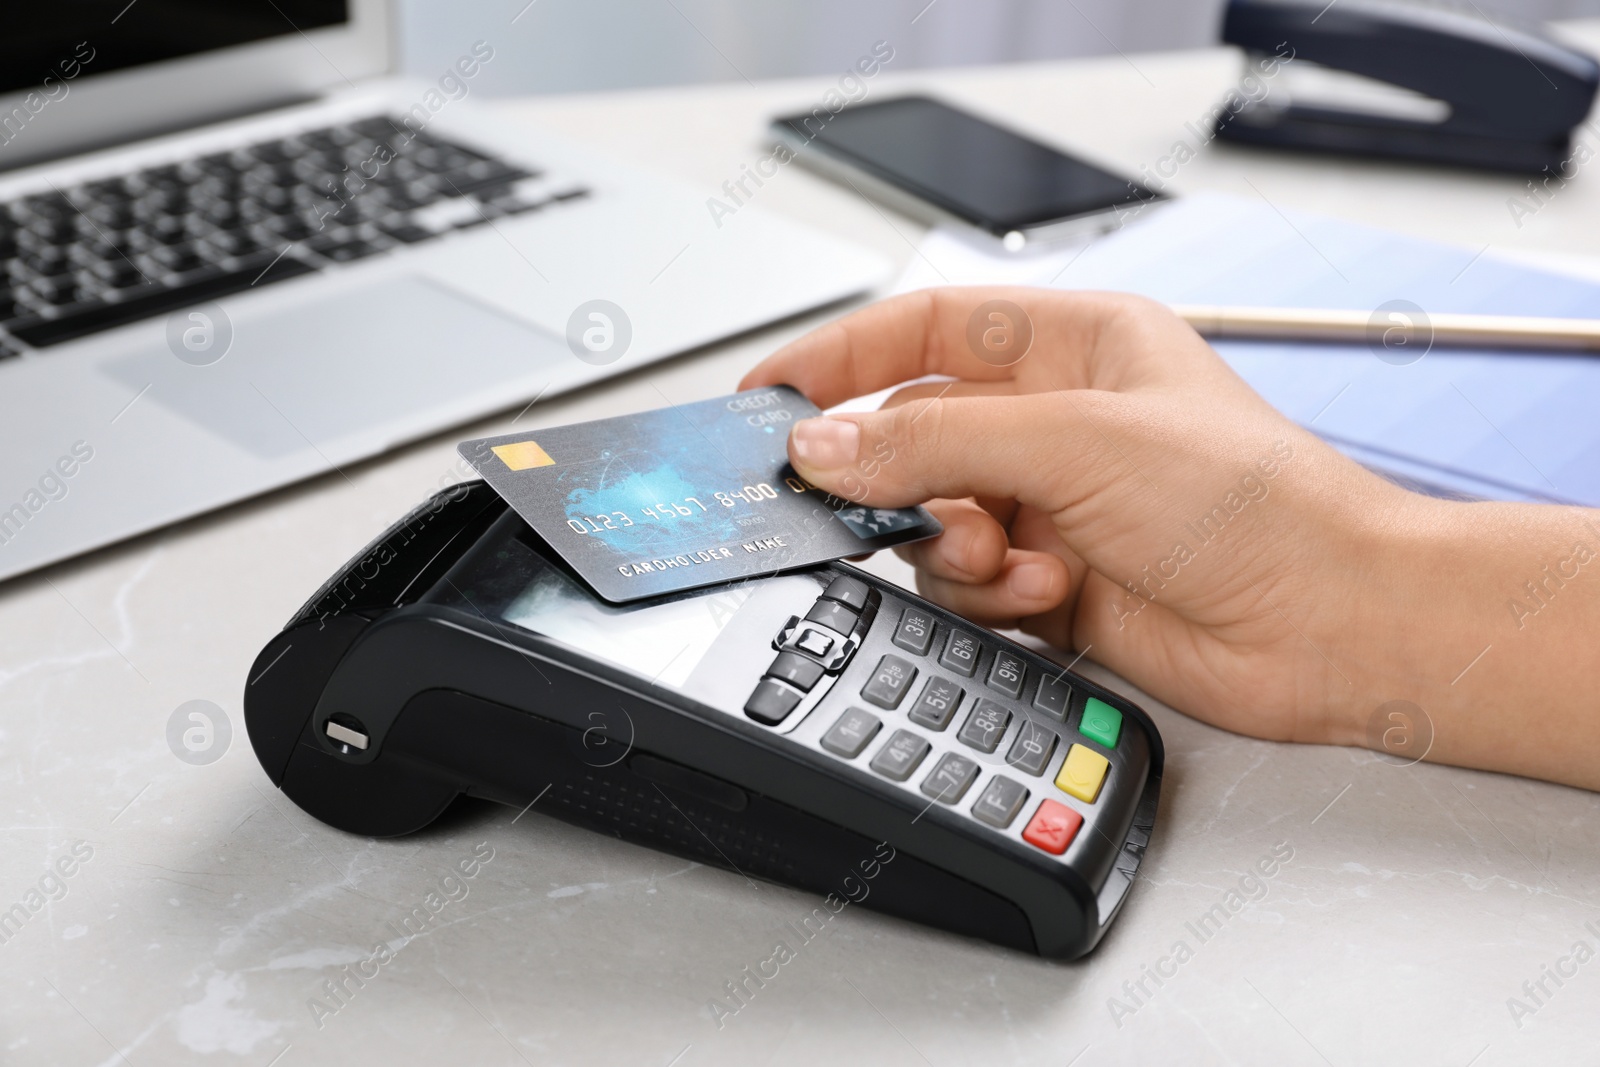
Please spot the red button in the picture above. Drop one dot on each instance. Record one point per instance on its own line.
(1052, 827)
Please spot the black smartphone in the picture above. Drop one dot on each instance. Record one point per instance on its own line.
(937, 162)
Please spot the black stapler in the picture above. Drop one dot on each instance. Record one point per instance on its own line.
(1491, 94)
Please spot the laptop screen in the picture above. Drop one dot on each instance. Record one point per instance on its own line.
(63, 40)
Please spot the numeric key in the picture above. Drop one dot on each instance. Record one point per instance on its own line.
(1032, 748)
(950, 778)
(900, 755)
(937, 704)
(850, 734)
(985, 726)
(960, 653)
(915, 632)
(1006, 674)
(890, 680)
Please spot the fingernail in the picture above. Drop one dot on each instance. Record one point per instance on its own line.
(1032, 581)
(826, 444)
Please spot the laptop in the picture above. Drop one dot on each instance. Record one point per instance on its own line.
(237, 253)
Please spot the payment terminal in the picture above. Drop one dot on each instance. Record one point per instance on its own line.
(798, 728)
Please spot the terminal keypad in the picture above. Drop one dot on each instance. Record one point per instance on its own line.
(1030, 717)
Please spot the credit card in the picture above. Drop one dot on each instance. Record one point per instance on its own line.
(685, 497)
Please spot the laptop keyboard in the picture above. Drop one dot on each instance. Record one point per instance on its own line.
(89, 257)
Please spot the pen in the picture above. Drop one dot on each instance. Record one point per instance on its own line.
(1443, 329)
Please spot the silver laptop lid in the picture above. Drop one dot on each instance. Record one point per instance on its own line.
(79, 76)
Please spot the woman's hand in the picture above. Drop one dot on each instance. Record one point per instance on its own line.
(1120, 491)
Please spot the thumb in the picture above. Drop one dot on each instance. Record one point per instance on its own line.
(1014, 447)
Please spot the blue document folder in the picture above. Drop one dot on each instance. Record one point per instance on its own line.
(1495, 424)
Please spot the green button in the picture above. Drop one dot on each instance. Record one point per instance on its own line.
(1101, 722)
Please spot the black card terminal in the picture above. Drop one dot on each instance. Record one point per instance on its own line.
(786, 727)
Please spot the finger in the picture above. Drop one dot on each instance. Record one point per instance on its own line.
(927, 332)
(1033, 530)
(1028, 583)
(925, 391)
(1039, 449)
(1003, 509)
(971, 549)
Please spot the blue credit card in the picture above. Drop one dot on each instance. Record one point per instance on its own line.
(684, 497)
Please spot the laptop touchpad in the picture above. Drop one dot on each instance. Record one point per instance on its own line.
(383, 362)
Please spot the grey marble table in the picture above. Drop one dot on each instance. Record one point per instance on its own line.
(176, 913)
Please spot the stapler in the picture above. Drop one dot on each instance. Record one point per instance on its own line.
(1424, 83)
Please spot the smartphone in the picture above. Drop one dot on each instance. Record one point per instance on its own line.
(939, 163)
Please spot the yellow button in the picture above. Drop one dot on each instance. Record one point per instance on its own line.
(1082, 773)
